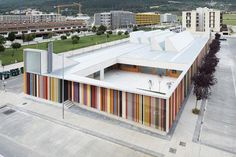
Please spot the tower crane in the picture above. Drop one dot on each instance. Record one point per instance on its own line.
(68, 5)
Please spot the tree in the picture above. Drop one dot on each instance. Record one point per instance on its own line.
(78, 30)
(63, 37)
(67, 34)
(94, 29)
(126, 33)
(217, 36)
(11, 36)
(135, 28)
(15, 46)
(202, 85)
(2, 48)
(75, 41)
(102, 29)
(75, 37)
(2, 39)
(224, 27)
(215, 45)
(50, 35)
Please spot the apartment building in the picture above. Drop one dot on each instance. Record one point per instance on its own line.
(145, 19)
(115, 19)
(202, 20)
(31, 18)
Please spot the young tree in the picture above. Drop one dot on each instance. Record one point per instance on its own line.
(202, 85)
(75, 37)
(75, 41)
(2, 48)
(217, 36)
(2, 40)
(94, 29)
(11, 36)
(15, 46)
(135, 28)
(102, 29)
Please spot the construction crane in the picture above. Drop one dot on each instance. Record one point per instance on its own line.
(68, 5)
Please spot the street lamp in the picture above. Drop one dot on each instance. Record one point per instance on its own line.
(63, 77)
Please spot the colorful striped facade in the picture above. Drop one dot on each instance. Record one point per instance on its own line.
(145, 110)
(149, 111)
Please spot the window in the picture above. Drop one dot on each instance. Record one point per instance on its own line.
(174, 71)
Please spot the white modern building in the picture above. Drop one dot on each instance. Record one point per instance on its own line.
(115, 19)
(168, 18)
(102, 19)
(142, 80)
(202, 20)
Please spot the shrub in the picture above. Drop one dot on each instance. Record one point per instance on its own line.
(2, 40)
(196, 111)
(109, 32)
(126, 33)
(2, 48)
(11, 36)
(99, 33)
(63, 37)
(120, 33)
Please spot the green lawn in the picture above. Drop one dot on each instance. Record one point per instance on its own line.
(59, 46)
(229, 19)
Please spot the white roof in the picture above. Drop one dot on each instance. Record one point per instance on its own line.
(175, 53)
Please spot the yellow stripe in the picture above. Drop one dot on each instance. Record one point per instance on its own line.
(108, 101)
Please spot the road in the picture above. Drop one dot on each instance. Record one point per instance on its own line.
(219, 127)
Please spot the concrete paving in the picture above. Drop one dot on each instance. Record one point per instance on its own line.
(219, 127)
(22, 134)
(13, 84)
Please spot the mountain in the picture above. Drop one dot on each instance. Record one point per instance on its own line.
(92, 6)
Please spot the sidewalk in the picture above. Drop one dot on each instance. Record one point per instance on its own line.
(183, 133)
(12, 66)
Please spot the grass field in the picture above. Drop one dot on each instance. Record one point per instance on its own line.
(229, 19)
(59, 46)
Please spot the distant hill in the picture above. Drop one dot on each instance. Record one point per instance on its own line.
(92, 6)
